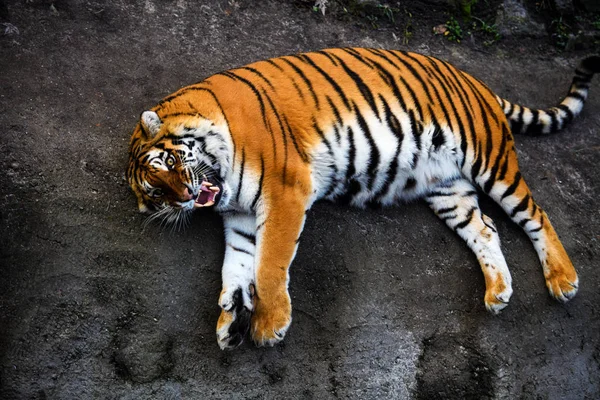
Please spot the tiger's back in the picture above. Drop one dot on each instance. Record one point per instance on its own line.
(360, 126)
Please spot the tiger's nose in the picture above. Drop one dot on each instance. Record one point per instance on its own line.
(188, 193)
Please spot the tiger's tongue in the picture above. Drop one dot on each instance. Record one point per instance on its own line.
(207, 194)
(205, 197)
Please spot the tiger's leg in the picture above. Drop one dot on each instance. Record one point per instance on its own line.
(279, 223)
(238, 278)
(513, 195)
(456, 203)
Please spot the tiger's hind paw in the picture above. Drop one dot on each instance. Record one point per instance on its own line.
(562, 287)
(234, 321)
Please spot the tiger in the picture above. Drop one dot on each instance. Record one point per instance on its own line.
(259, 144)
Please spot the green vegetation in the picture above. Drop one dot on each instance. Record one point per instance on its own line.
(490, 32)
(453, 30)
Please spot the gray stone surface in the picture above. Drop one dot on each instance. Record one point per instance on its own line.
(387, 303)
(513, 20)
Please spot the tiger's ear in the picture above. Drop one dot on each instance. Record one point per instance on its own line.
(151, 123)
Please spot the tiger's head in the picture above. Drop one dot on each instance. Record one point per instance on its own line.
(177, 164)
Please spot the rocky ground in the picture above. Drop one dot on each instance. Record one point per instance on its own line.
(387, 303)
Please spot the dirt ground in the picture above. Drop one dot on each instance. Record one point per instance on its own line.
(387, 303)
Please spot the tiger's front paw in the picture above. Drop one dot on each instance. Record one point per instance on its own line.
(497, 293)
(234, 321)
(271, 320)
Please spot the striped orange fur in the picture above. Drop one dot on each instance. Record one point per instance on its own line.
(261, 143)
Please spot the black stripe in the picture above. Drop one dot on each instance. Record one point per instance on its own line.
(447, 218)
(338, 137)
(437, 137)
(504, 169)
(451, 99)
(389, 79)
(414, 59)
(485, 115)
(522, 206)
(327, 144)
(524, 222)
(260, 74)
(435, 64)
(416, 136)
(467, 219)
(554, 117)
(260, 182)
(322, 136)
(535, 128)
(221, 110)
(273, 63)
(178, 114)
(297, 88)
(435, 193)
(445, 210)
(326, 54)
(391, 174)
(350, 170)
(301, 153)
(501, 153)
(415, 74)
(239, 250)
(374, 151)
(441, 106)
(458, 83)
(577, 95)
(248, 236)
(475, 167)
(262, 108)
(304, 78)
(511, 189)
(283, 135)
(305, 58)
(353, 188)
(510, 111)
(239, 189)
(516, 123)
(357, 56)
(566, 109)
(392, 121)
(335, 110)
(466, 106)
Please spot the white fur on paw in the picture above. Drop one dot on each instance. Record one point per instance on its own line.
(495, 299)
(234, 322)
(227, 301)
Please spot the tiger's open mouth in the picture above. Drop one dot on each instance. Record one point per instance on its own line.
(208, 195)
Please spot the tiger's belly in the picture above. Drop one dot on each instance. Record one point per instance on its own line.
(377, 164)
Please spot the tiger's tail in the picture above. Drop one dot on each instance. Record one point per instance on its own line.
(533, 122)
